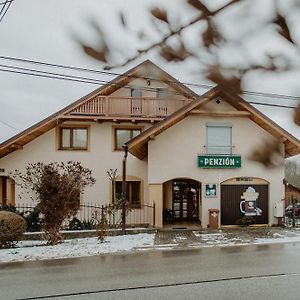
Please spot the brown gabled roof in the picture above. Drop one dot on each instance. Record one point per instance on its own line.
(144, 69)
(139, 145)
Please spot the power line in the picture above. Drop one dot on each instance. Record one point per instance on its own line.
(51, 75)
(7, 1)
(3, 7)
(8, 125)
(246, 92)
(7, 7)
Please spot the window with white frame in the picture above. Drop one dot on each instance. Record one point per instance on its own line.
(219, 138)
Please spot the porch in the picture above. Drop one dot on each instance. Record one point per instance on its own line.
(177, 203)
(124, 108)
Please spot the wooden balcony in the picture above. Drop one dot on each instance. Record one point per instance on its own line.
(127, 108)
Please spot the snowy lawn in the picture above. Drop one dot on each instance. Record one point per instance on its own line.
(37, 250)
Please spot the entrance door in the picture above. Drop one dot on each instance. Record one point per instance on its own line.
(186, 199)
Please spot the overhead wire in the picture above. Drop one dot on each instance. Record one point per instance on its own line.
(9, 125)
(246, 92)
(51, 75)
(7, 1)
(6, 9)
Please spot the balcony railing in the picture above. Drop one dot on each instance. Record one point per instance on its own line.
(145, 107)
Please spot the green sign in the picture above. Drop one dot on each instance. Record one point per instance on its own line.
(219, 161)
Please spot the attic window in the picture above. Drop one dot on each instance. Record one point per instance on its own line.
(136, 93)
(73, 138)
(161, 92)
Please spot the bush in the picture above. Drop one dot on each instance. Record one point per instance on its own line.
(57, 187)
(88, 224)
(75, 224)
(9, 207)
(12, 227)
(245, 221)
(33, 220)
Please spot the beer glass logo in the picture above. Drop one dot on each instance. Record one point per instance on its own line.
(249, 203)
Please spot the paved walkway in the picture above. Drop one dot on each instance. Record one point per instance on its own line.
(227, 236)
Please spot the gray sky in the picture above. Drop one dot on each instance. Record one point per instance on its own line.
(44, 30)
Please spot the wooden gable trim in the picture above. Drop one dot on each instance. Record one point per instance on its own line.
(220, 113)
(292, 144)
(138, 146)
(57, 118)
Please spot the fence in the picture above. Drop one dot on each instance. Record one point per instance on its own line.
(90, 214)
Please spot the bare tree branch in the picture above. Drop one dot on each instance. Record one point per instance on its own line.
(172, 33)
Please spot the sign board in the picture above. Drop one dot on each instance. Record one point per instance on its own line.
(219, 161)
(210, 189)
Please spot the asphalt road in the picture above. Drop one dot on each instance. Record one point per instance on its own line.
(244, 272)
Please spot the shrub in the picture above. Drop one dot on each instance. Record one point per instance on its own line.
(88, 224)
(75, 224)
(245, 221)
(9, 207)
(33, 220)
(57, 187)
(101, 228)
(12, 227)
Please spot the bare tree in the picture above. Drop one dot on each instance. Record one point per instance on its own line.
(57, 187)
(173, 47)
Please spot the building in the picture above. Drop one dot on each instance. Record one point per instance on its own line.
(291, 191)
(187, 153)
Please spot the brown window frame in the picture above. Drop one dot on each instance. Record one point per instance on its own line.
(72, 128)
(129, 190)
(129, 128)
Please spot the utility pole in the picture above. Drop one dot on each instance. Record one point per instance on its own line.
(124, 193)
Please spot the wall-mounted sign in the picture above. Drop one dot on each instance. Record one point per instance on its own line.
(210, 189)
(250, 209)
(219, 161)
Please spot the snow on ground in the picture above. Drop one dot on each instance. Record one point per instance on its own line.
(37, 250)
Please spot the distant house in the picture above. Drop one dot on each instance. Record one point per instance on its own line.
(291, 191)
(187, 153)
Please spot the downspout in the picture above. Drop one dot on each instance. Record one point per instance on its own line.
(124, 194)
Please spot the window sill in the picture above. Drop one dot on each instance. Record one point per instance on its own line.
(72, 149)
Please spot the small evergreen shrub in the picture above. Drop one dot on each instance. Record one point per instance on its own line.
(12, 227)
(88, 224)
(33, 220)
(75, 224)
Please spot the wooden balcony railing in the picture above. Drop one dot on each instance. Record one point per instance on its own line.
(129, 107)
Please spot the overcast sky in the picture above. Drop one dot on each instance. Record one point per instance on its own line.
(48, 31)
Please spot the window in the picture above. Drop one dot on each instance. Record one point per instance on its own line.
(136, 92)
(73, 138)
(219, 138)
(133, 191)
(124, 134)
(161, 92)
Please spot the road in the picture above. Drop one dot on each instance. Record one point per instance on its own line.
(242, 272)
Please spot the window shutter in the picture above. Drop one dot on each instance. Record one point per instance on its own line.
(218, 139)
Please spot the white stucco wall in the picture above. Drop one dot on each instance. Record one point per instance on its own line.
(100, 158)
(174, 152)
